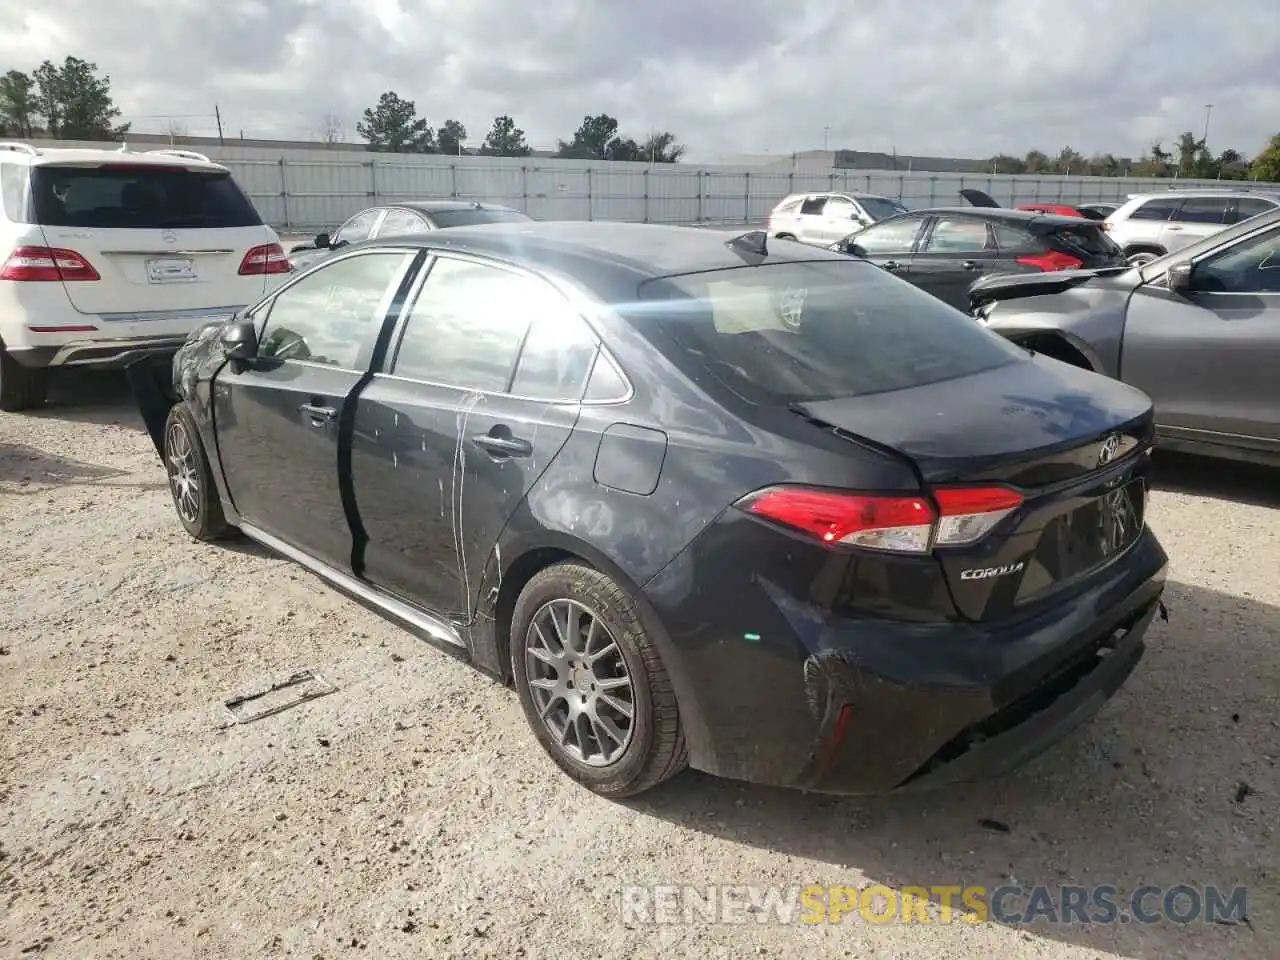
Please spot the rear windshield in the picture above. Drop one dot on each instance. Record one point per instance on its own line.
(1087, 239)
(796, 332)
(469, 218)
(880, 209)
(138, 197)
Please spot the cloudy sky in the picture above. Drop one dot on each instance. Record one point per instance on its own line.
(960, 78)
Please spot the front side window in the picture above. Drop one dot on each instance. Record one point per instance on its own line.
(400, 223)
(1203, 210)
(467, 325)
(838, 208)
(1251, 266)
(793, 332)
(957, 235)
(812, 206)
(894, 236)
(359, 227)
(326, 316)
(879, 208)
(474, 216)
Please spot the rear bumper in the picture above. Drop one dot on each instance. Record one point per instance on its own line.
(878, 705)
(108, 352)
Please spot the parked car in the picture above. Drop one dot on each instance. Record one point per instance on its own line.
(822, 218)
(1149, 225)
(742, 505)
(1197, 330)
(1090, 211)
(943, 251)
(396, 219)
(109, 254)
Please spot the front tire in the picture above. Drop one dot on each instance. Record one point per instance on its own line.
(21, 388)
(195, 498)
(592, 684)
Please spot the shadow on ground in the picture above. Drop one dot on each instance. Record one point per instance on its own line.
(1246, 483)
(89, 396)
(1120, 802)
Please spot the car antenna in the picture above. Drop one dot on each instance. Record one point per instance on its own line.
(755, 242)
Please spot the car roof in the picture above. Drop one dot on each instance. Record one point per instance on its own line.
(442, 206)
(13, 150)
(1004, 214)
(855, 194)
(1227, 192)
(601, 252)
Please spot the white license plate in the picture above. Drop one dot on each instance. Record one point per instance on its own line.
(171, 270)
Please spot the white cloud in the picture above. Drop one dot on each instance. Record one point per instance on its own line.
(961, 78)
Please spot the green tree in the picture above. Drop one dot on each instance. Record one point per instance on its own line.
(18, 109)
(1266, 165)
(592, 139)
(1232, 165)
(451, 136)
(1157, 162)
(505, 139)
(661, 147)
(393, 126)
(1068, 160)
(75, 102)
(1003, 163)
(1037, 161)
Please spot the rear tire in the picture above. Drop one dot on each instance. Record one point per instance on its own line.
(21, 388)
(1137, 258)
(581, 659)
(195, 498)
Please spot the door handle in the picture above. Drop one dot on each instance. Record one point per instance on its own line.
(1174, 229)
(971, 265)
(890, 265)
(319, 414)
(503, 445)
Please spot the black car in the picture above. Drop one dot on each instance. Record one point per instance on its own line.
(770, 512)
(403, 219)
(944, 250)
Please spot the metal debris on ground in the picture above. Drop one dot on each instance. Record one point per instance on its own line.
(290, 692)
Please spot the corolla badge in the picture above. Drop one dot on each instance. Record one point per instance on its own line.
(1110, 447)
(169, 237)
(987, 573)
(792, 307)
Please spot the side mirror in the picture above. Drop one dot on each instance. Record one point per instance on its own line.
(322, 241)
(1179, 277)
(240, 340)
(853, 250)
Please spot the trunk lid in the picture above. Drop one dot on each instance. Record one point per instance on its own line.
(1073, 443)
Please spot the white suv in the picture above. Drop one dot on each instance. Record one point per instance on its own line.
(823, 218)
(1149, 225)
(108, 256)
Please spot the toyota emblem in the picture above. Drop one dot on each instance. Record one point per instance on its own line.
(169, 237)
(1110, 447)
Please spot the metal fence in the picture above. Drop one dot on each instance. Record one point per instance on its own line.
(296, 194)
(300, 190)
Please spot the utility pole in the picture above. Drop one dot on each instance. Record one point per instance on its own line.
(218, 116)
(826, 138)
(1208, 112)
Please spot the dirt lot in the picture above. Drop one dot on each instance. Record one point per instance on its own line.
(409, 814)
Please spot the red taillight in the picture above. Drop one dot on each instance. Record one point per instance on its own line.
(907, 524)
(46, 264)
(1053, 260)
(263, 259)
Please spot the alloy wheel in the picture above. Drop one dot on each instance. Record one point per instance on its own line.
(579, 682)
(184, 478)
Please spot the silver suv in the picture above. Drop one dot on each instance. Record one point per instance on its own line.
(824, 218)
(1149, 225)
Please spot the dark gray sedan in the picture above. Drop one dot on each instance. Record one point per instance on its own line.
(400, 220)
(1197, 330)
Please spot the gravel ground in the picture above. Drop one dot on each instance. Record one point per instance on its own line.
(410, 813)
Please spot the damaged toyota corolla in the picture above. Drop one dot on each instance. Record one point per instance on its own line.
(769, 512)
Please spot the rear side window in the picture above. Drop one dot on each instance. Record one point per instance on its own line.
(556, 358)
(1155, 210)
(1087, 239)
(793, 332)
(470, 218)
(1014, 240)
(788, 206)
(13, 191)
(1247, 207)
(152, 197)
